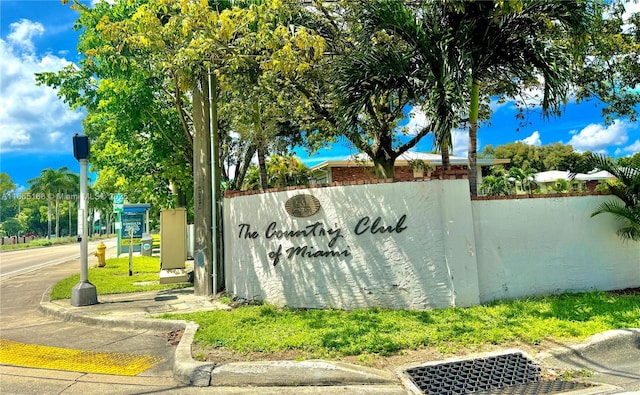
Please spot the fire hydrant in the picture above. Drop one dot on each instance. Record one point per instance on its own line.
(100, 254)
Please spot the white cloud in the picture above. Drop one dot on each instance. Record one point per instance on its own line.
(22, 32)
(33, 118)
(417, 120)
(461, 142)
(630, 8)
(17, 138)
(598, 138)
(630, 149)
(534, 139)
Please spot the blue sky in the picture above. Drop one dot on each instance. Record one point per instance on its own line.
(36, 127)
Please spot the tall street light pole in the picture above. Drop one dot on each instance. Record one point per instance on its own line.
(84, 293)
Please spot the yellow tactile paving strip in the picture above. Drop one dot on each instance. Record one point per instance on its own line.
(45, 357)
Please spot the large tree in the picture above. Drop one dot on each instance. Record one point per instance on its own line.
(611, 72)
(447, 56)
(7, 195)
(152, 78)
(423, 64)
(135, 115)
(402, 57)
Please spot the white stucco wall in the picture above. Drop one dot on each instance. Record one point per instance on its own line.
(448, 251)
(409, 269)
(551, 245)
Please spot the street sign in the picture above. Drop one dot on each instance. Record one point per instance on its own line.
(80, 222)
(118, 203)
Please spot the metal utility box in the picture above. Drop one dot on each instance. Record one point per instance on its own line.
(173, 238)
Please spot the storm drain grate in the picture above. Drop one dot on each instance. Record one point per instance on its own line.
(535, 388)
(511, 373)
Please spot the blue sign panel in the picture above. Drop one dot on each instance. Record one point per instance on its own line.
(133, 221)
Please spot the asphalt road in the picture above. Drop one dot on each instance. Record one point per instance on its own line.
(13, 263)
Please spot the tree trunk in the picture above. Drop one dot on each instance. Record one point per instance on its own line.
(49, 217)
(446, 162)
(262, 165)
(108, 230)
(69, 209)
(260, 143)
(179, 196)
(203, 246)
(384, 167)
(58, 217)
(241, 170)
(473, 137)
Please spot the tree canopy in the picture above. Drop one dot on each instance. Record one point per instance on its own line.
(177, 90)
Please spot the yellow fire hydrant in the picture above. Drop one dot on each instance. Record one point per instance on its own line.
(101, 253)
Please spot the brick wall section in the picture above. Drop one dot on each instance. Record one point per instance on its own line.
(537, 196)
(402, 173)
(453, 174)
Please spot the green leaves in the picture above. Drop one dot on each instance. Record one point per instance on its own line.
(627, 209)
(611, 71)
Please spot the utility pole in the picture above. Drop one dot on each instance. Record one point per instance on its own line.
(84, 293)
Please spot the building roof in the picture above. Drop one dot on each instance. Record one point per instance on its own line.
(433, 159)
(553, 175)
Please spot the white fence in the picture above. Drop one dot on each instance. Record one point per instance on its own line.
(419, 245)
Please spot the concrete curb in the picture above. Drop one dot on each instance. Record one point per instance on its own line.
(298, 373)
(270, 373)
(617, 338)
(239, 374)
(60, 313)
(185, 368)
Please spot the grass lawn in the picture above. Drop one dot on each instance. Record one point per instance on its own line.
(114, 278)
(43, 242)
(258, 332)
(376, 336)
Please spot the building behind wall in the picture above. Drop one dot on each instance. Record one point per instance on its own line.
(359, 168)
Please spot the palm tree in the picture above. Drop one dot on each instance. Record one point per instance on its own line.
(467, 46)
(52, 183)
(509, 45)
(45, 184)
(404, 57)
(66, 185)
(494, 185)
(524, 177)
(627, 208)
(72, 186)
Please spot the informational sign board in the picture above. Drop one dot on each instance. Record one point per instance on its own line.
(132, 217)
(134, 221)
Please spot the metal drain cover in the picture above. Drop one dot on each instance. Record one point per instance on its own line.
(511, 372)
